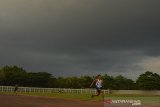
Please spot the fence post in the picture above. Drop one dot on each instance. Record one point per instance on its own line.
(108, 91)
(43, 90)
(81, 90)
(2, 88)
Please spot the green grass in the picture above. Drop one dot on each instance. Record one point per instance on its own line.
(143, 98)
(63, 95)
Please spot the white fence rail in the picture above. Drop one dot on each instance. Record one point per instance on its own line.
(78, 91)
(48, 90)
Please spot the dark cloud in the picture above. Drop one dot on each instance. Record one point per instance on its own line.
(79, 37)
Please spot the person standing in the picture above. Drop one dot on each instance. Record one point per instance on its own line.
(16, 89)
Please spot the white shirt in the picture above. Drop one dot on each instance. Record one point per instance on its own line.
(99, 83)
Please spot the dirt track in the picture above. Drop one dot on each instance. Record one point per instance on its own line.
(32, 101)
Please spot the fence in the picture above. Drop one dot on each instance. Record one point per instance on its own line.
(78, 91)
(48, 90)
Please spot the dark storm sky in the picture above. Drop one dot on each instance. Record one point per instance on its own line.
(81, 37)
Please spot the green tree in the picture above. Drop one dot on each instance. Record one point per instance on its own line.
(108, 82)
(123, 83)
(39, 79)
(148, 81)
(52, 82)
(13, 75)
(60, 82)
(85, 81)
(2, 77)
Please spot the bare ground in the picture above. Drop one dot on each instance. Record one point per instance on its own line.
(33, 101)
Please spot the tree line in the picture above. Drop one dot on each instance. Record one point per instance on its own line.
(11, 75)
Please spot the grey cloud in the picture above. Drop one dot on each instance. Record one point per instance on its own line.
(86, 36)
